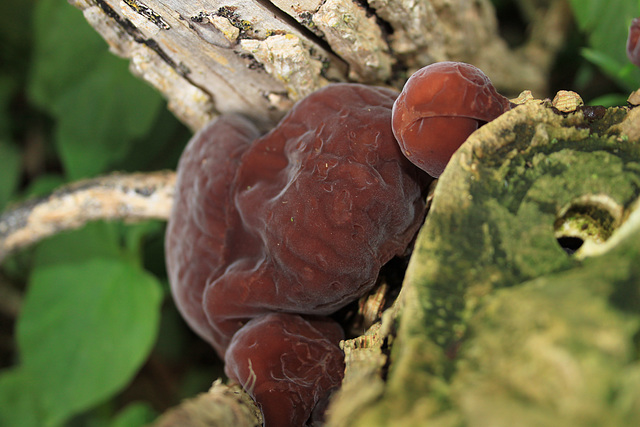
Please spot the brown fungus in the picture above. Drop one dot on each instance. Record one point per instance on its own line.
(297, 223)
(439, 107)
(195, 241)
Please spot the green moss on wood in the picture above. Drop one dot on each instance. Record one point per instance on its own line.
(499, 325)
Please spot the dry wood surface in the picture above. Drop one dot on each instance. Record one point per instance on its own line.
(257, 57)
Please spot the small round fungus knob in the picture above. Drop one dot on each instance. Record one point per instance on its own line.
(439, 107)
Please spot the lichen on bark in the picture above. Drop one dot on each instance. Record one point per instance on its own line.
(501, 325)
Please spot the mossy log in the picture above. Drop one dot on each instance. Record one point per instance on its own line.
(500, 322)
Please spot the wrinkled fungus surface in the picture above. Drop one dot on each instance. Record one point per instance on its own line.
(291, 358)
(268, 235)
(633, 42)
(439, 107)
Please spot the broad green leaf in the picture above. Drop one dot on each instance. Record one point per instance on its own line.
(7, 90)
(84, 331)
(10, 158)
(625, 72)
(18, 399)
(43, 185)
(585, 12)
(135, 235)
(100, 239)
(95, 240)
(161, 146)
(66, 48)
(15, 36)
(101, 108)
(606, 25)
(610, 100)
(101, 117)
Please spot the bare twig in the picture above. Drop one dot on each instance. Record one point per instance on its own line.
(118, 196)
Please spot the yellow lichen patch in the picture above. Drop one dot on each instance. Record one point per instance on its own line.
(567, 101)
(524, 97)
(634, 98)
(356, 38)
(226, 27)
(287, 58)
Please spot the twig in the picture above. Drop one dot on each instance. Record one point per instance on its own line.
(118, 196)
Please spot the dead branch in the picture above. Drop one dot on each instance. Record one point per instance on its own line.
(258, 57)
(129, 197)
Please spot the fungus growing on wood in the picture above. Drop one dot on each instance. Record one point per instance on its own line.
(439, 107)
(288, 363)
(267, 237)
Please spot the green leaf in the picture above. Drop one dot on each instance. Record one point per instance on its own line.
(95, 240)
(606, 25)
(610, 100)
(7, 92)
(101, 117)
(18, 403)
(99, 239)
(586, 12)
(66, 48)
(43, 185)
(9, 154)
(15, 36)
(626, 74)
(84, 331)
(135, 235)
(101, 108)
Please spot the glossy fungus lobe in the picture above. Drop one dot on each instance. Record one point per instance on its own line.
(288, 363)
(270, 234)
(195, 242)
(439, 107)
(633, 42)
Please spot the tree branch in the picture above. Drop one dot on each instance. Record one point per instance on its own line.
(257, 57)
(118, 196)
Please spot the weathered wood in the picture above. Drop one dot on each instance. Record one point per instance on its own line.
(257, 57)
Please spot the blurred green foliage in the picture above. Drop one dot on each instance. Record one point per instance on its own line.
(99, 108)
(606, 26)
(95, 299)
